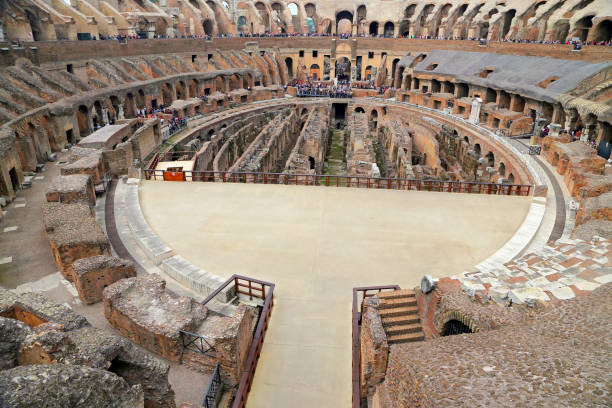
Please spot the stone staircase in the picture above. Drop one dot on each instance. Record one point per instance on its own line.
(400, 317)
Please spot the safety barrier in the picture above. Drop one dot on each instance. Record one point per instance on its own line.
(357, 311)
(253, 288)
(344, 181)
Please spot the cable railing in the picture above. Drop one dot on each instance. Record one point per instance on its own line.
(447, 186)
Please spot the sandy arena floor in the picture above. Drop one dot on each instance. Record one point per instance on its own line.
(316, 244)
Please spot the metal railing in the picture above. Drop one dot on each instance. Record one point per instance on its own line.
(349, 181)
(259, 289)
(195, 342)
(356, 342)
(213, 393)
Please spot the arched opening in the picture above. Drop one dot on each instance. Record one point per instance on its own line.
(289, 64)
(293, 9)
(246, 81)
(167, 94)
(34, 25)
(490, 159)
(409, 11)
(508, 16)
(359, 109)
(83, 120)
(603, 31)
(346, 26)
(311, 163)
(180, 90)
(404, 28)
(453, 327)
(373, 28)
(315, 72)
(45, 123)
(219, 84)
(484, 30)
(97, 119)
(583, 26)
(114, 108)
(263, 13)
(511, 178)
(128, 106)
(207, 26)
(140, 99)
(394, 67)
(502, 169)
(193, 88)
(389, 29)
(477, 150)
(561, 29)
(373, 119)
(234, 82)
(241, 25)
(343, 69)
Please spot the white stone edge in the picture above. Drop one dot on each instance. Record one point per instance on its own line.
(174, 265)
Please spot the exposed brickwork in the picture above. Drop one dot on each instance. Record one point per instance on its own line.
(92, 275)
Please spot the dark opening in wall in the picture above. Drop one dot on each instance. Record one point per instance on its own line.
(370, 55)
(69, 68)
(210, 56)
(206, 91)
(431, 67)
(485, 72)
(315, 54)
(453, 327)
(301, 53)
(194, 57)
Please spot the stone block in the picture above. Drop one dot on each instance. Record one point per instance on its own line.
(91, 275)
(73, 234)
(76, 188)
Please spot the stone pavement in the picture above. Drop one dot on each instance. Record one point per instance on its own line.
(558, 271)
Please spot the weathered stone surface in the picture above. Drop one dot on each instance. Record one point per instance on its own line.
(34, 310)
(59, 386)
(374, 348)
(76, 188)
(93, 274)
(12, 334)
(557, 357)
(73, 234)
(141, 310)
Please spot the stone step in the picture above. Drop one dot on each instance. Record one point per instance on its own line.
(396, 294)
(404, 328)
(395, 303)
(400, 320)
(405, 338)
(398, 311)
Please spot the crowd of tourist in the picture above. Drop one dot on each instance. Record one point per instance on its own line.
(322, 89)
(341, 89)
(123, 37)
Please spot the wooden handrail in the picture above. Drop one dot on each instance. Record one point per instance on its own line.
(260, 331)
(356, 342)
(349, 181)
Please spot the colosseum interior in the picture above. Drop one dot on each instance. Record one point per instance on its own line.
(305, 203)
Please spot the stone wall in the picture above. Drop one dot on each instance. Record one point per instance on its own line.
(374, 348)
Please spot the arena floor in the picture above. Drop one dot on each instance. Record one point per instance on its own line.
(316, 244)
